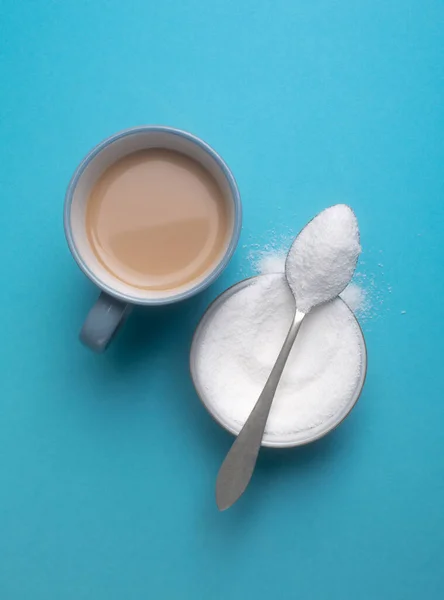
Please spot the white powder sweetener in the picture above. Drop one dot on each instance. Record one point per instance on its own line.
(356, 298)
(241, 343)
(273, 261)
(323, 257)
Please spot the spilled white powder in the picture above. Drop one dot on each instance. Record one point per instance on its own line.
(323, 257)
(355, 297)
(272, 262)
(239, 347)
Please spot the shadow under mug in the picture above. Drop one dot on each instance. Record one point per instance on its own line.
(117, 298)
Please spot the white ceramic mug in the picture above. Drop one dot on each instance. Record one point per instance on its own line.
(117, 298)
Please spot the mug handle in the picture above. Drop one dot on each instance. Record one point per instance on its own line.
(103, 321)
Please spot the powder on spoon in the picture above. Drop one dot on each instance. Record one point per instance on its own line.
(323, 257)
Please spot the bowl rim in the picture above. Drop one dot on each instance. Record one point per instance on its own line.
(270, 443)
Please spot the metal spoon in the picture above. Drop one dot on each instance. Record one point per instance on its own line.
(238, 466)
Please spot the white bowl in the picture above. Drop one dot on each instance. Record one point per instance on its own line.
(270, 439)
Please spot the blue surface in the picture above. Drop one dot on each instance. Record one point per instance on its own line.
(108, 463)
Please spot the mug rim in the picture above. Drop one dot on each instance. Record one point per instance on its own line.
(237, 219)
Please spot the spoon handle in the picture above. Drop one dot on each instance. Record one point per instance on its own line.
(238, 466)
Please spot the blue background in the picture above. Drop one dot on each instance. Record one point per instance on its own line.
(108, 463)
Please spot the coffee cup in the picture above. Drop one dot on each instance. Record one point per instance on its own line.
(119, 295)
